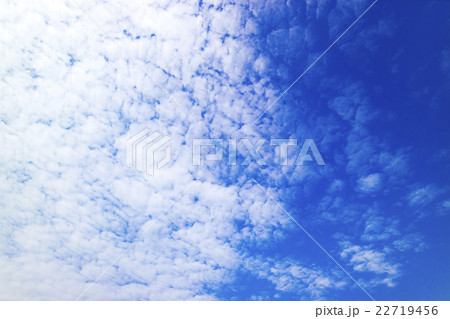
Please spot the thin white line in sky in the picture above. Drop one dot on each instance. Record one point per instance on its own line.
(314, 240)
(315, 61)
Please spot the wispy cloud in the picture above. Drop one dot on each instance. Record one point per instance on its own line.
(370, 183)
(423, 195)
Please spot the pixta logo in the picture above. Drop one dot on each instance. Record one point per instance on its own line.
(149, 151)
(206, 149)
(143, 149)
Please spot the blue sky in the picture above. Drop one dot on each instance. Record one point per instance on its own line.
(79, 78)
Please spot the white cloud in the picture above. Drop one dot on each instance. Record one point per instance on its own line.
(378, 227)
(366, 259)
(71, 206)
(415, 242)
(369, 183)
(71, 96)
(288, 276)
(423, 195)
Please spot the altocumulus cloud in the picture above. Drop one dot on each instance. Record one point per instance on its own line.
(71, 95)
(79, 77)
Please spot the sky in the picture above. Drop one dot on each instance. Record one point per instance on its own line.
(79, 78)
